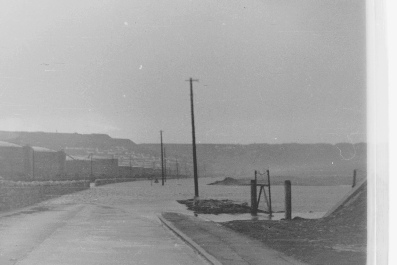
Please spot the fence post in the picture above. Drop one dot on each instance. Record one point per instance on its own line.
(254, 206)
(287, 186)
(270, 193)
(354, 178)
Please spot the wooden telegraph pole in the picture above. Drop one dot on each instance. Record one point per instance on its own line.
(34, 165)
(165, 166)
(91, 164)
(177, 169)
(196, 191)
(162, 158)
(130, 166)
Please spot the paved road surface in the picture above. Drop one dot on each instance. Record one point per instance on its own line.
(222, 244)
(112, 224)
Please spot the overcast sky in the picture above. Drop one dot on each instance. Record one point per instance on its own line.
(270, 71)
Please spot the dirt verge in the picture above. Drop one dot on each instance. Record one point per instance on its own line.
(216, 206)
(340, 238)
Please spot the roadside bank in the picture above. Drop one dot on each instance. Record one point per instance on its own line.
(339, 238)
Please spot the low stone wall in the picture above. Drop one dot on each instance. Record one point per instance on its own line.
(104, 181)
(20, 194)
(100, 182)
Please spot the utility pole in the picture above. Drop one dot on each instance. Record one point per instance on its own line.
(196, 191)
(33, 163)
(177, 169)
(91, 163)
(165, 166)
(162, 158)
(130, 167)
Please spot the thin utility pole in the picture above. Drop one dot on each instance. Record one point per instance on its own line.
(130, 166)
(165, 166)
(186, 172)
(162, 158)
(91, 164)
(33, 163)
(270, 194)
(177, 169)
(196, 191)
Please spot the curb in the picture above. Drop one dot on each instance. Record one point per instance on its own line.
(211, 259)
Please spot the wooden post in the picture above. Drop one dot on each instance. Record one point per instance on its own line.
(162, 158)
(33, 163)
(254, 206)
(130, 166)
(287, 186)
(270, 194)
(91, 174)
(177, 169)
(165, 166)
(354, 178)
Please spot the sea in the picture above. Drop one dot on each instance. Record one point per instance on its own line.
(307, 201)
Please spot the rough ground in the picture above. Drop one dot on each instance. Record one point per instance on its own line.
(337, 239)
(215, 206)
(230, 181)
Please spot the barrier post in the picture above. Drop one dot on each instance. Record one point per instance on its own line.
(254, 206)
(354, 178)
(270, 193)
(287, 187)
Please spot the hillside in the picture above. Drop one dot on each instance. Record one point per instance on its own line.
(81, 146)
(227, 160)
(58, 141)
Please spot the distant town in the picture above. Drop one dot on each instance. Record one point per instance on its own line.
(44, 155)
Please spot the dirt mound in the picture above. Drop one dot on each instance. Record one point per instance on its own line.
(216, 206)
(227, 181)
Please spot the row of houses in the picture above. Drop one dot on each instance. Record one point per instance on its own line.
(38, 163)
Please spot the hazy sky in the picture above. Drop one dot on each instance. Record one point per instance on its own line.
(270, 71)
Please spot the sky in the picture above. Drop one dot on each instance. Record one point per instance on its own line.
(269, 71)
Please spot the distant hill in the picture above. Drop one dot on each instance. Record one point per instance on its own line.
(227, 160)
(58, 141)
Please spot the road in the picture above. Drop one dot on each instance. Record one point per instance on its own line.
(112, 224)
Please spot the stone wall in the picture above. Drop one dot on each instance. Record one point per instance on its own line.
(20, 194)
(127, 172)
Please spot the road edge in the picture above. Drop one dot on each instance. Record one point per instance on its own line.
(211, 259)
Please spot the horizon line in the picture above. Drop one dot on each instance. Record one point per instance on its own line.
(56, 132)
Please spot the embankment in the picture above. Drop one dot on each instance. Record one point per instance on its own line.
(100, 182)
(20, 194)
(105, 181)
